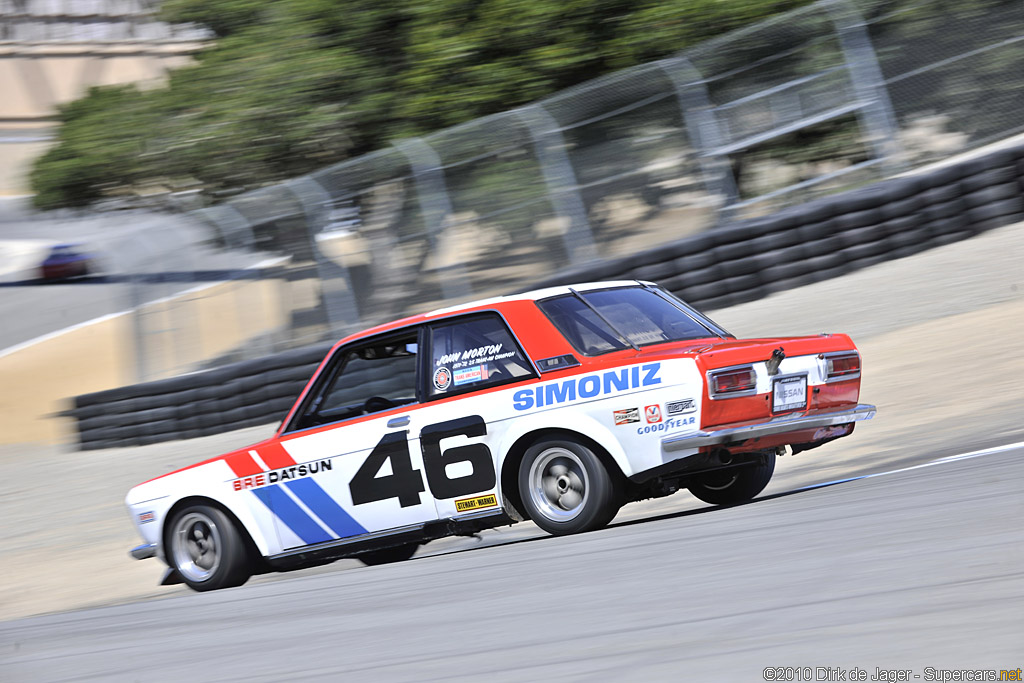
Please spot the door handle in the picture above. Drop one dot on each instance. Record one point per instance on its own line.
(400, 421)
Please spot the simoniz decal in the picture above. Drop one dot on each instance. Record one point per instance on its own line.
(283, 474)
(587, 386)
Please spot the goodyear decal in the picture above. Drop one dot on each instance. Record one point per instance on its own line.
(468, 504)
(668, 425)
(587, 386)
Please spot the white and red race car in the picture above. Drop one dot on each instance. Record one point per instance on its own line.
(558, 406)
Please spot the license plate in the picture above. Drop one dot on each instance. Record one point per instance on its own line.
(789, 393)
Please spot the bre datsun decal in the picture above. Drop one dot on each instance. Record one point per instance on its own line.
(587, 386)
(284, 474)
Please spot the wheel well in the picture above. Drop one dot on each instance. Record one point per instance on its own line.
(254, 554)
(514, 458)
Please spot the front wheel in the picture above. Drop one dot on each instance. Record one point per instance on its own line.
(206, 549)
(724, 487)
(566, 488)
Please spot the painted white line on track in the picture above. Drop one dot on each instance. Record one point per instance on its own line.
(265, 263)
(941, 461)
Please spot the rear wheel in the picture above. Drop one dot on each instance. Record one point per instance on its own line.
(206, 549)
(399, 553)
(738, 485)
(566, 488)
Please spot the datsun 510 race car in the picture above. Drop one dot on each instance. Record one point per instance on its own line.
(556, 406)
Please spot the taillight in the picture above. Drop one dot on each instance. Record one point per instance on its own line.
(732, 382)
(840, 366)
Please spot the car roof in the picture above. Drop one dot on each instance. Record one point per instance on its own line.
(492, 302)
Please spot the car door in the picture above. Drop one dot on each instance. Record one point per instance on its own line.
(468, 361)
(354, 471)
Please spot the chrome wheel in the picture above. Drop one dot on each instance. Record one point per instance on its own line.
(196, 546)
(565, 488)
(558, 484)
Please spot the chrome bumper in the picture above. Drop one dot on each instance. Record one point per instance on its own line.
(142, 552)
(776, 425)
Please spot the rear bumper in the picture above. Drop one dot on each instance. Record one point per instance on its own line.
(729, 434)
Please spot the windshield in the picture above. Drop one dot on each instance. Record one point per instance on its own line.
(607, 320)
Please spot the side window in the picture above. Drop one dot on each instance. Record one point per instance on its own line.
(474, 353)
(362, 379)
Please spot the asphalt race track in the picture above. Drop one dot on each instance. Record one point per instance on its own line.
(917, 568)
(902, 570)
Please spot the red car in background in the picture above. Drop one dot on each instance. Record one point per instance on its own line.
(66, 261)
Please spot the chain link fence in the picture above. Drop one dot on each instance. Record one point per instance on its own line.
(828, 97)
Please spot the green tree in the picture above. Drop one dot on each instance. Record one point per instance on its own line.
(289, 86)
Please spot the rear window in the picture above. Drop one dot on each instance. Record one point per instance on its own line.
(474, 353)
(607, 320)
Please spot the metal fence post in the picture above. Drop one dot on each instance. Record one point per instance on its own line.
(876, 116)
(337, 292)
(702, 127)
(435, 207)
(560, 178)
(231, 225)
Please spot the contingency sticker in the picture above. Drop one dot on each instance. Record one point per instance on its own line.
(468, 504)
(681, 407)
(477, 373)
(624, 417)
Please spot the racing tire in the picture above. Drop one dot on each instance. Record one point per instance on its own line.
(565, 487)
(206, 549)
(398, 553)
(725, 487)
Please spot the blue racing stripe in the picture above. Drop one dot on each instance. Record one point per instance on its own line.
(292, 515)
(325, 507)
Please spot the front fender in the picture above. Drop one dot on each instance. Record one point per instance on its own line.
(157, 500)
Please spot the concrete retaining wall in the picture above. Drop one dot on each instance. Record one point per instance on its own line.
(96, 356)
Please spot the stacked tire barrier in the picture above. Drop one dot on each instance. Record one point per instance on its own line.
(245, 394)
(750, 259)
(732, 264)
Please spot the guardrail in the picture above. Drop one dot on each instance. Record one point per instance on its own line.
(740, 262)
